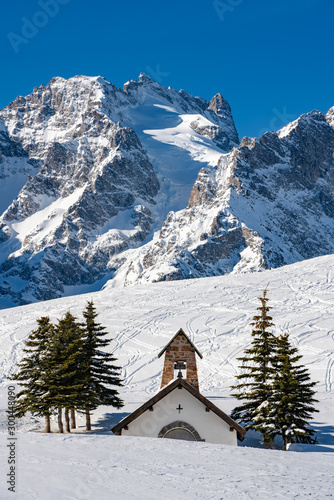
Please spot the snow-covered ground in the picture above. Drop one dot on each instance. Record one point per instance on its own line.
(100, 467)
(216, 313)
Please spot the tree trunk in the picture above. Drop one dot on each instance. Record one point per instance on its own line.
(285, 443)
(268, 443)
(67, 420)
(88, 423)
(60, 422)
(47, 423)
(73, 422)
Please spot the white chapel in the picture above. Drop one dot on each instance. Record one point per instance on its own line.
(179, 410)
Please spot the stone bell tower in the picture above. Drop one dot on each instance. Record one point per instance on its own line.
(180, 353)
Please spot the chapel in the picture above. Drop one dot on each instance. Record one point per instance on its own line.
(179, 410)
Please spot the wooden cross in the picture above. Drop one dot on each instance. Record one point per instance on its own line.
(179, 408)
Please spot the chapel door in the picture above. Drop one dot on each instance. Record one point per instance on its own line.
(180, 433)
(180, 430)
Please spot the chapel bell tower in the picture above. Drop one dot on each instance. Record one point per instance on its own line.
(180, 355)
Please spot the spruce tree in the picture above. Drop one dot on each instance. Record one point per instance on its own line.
(32, 374)
(291, 404)
(67, 380)
(255, 380)
(102, 374)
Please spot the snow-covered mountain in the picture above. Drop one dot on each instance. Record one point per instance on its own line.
(268, 203)
(89, 170)
(146, 183)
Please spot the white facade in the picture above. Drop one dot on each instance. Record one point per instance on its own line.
(208, 425)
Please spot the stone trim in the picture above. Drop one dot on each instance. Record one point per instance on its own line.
(177, 425)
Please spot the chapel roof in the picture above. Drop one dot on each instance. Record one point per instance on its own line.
(180, 382)
(180, 332)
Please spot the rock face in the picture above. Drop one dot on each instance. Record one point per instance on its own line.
(146, 183)
(78, 185)
(267, 203)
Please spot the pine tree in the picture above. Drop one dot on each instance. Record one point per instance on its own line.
(67, 378)
(102, 373)
(65, 369)
(255, 380)
(291, 404)
(32, 374)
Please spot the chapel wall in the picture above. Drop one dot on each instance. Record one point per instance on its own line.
(210, 427)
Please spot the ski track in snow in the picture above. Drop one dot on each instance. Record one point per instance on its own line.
(329, 375)
(216, 314)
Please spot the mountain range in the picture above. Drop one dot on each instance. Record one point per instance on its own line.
(102, 186)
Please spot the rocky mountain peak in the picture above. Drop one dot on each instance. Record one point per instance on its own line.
(299, 126)
(330, 117)
(266, 204)
(144, 78)
(148, 184)
(219, 105)
(89, 177)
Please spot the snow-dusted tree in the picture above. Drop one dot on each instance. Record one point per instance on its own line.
(255, 379)
(291, 402)
(32, 374)
(102, 374)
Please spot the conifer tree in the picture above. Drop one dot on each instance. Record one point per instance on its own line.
(65, 369)
(32, 374)
(291, 403)
(255, 380)
(67, 380)
(102, 374)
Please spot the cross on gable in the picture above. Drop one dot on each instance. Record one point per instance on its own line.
(179, 408)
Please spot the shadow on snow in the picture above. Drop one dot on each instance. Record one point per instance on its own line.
(108, 421)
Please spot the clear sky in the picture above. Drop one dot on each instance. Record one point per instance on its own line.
(271, 59)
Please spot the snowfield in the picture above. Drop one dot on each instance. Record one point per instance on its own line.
(110, 467)
(215, 313)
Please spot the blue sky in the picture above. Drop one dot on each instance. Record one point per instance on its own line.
(272, 60)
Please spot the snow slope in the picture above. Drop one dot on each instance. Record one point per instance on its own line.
(216, 313)
(176, 151)
(98, 467)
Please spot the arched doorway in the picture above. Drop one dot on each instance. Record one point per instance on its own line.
(179, 433)
(180, 430)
